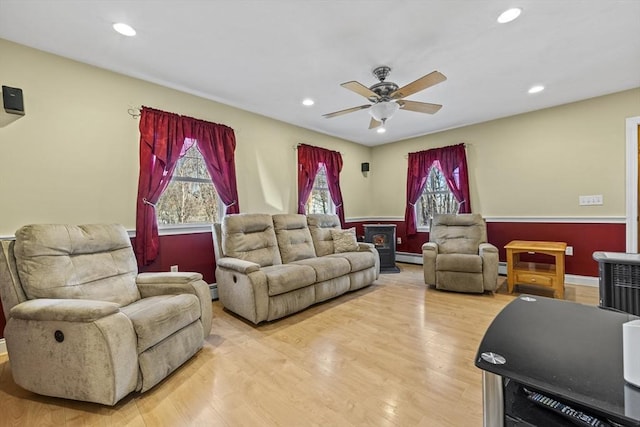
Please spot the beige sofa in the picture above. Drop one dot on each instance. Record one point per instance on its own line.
(82, 323)
(270, 266)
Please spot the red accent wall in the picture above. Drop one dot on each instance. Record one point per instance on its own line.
(190, 252)
(586, 238)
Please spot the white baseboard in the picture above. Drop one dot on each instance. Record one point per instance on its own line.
(3, 346)
(573, 279)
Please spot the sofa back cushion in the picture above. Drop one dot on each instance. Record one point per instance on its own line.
(294, 238)
(458, 234)
(92, 261)
(250, 237)
(320, 226)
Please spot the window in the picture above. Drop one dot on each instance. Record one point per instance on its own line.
(320, 199)
(190, 197)
(436, 198)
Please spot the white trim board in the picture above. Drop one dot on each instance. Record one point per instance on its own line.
(574, 279)
(3, 346)
(632, 124)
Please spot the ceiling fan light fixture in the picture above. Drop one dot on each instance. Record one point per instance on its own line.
(509, 15)
(383, 110)
(381, 129)
(308, 102)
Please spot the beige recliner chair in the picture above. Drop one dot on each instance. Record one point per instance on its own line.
(458, 257)
(83, 324)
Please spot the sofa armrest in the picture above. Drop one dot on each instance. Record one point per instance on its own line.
(176, 283)
(429, 253)
(168, 283)
(239, 265)
(487, 248)
(489, 255)
(65, 310)
(364, 246)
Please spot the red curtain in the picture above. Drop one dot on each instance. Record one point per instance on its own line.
(309, 160)
(217, 144)
(453, 165)
(452, 162)
(161, 143)
(164, 138)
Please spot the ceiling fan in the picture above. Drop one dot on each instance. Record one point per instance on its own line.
(387, 97)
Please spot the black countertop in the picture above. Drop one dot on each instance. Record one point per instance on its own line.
(570, 350)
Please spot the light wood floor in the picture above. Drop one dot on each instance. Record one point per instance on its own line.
(393, 354)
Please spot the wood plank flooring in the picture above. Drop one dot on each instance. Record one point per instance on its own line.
(393, 354)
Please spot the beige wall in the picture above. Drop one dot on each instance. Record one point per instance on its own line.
(529, 165)
(74, 156)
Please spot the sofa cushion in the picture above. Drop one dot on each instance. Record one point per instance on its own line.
(327, 268)
(320, 226)
(92, 261)
(459, 262)
(250, 237)
(357, 260)
(155, 318)
(344, 240)
(294, 238)
(287, 277)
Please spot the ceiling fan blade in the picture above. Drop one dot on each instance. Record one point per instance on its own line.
(348, 110)
(360, 89)
(374, 123)
(419, 107)
(423, 82)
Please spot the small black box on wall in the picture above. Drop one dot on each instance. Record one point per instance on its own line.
(364, 167)
(12, 100)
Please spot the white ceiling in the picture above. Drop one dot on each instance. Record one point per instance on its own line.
(265, 56)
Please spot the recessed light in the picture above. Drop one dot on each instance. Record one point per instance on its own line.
(509, 15)
(308, 102)
(381, 130)
(536, 89)
(124, 29)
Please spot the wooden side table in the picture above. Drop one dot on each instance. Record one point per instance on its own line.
(533, 273)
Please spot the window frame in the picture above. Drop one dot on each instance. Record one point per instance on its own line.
(427, 228)
(332, 207)
(192, 227)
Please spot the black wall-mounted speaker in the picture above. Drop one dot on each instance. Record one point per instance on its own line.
(364, 167)
(12, 100)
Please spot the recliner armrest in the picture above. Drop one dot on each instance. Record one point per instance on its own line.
(66, 310)
(239, 265)
(430, 246)
(364, 246)
(487, 248)
(168, 277)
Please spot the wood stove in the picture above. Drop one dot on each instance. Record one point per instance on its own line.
(383, 237)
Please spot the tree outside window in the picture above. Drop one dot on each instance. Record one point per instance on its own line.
(320, 199)
(190, 197)
(436, 198)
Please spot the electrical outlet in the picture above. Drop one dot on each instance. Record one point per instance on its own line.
(569, 250)
(399, 240)
(596, 199)
(174, 268)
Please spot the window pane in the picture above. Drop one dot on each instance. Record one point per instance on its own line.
(190, 196)
(320, 198)
(436, 199)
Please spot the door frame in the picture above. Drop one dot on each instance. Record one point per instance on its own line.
(632, 124)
